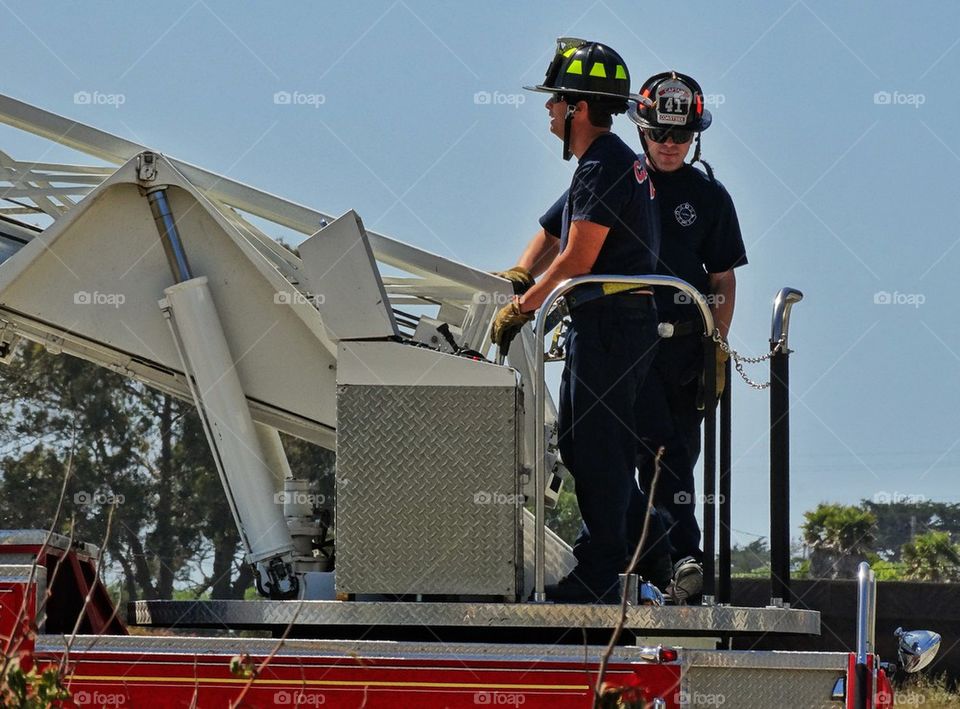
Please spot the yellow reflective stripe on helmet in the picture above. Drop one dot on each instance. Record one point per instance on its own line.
(599, 70)
(621, 72)
(576, 67)
(571, 50)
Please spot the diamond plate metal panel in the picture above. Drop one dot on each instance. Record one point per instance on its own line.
(428, 496)
(366, 649)
(766, 659)
(558, 556)
(745, 688)
(17, 537)
(666, 619)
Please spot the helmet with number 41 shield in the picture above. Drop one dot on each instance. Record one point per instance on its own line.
(671, 105)
(675, 101)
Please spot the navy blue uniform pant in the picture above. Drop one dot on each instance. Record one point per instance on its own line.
(610, 347)
(667, 415)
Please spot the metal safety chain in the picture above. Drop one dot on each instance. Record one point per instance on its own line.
(739, 360)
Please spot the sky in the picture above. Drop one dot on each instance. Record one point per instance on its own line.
(833, 132)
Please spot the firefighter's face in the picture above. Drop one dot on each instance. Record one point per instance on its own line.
(668, 156)
(557, 107)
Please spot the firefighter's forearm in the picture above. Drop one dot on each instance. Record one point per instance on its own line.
(586, 239)
(723, 289)
(560, 270)
(539, 253)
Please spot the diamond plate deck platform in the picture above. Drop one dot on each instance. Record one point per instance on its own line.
(366, 649)
(651, 621)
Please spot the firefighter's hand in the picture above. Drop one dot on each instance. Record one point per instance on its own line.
(722, 358)
(520, 278)
(507, 324)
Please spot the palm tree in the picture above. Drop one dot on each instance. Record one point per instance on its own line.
(932, 557)
(841, 536)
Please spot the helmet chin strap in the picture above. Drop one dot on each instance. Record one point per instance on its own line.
(646, 151)
(697, 158)
(567, 123)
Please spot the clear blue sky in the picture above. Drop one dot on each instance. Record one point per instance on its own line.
(840, 193)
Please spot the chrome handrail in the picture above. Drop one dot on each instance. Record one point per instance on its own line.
(866, 641)
(780, 320)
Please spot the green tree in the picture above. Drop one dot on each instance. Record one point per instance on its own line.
(746, 560)
(564, 519)
(143, 449)
(898, 521)
(932, 557)
(127, 444)
(841, 536)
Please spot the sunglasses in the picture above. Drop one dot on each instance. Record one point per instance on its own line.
(660, 135)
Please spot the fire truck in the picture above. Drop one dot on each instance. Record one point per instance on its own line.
(446, 460)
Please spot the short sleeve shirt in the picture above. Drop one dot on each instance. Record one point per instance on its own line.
(612, 188)
(700, 234)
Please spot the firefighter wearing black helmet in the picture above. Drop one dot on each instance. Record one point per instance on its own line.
(609, 224)
(702, 245)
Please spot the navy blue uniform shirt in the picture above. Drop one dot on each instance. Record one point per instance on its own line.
(611, 187)
(700, 235)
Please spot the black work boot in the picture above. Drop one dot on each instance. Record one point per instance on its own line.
(687, 583)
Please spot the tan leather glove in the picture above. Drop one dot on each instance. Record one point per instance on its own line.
(722, 358)
(507, 324)
(520, 278)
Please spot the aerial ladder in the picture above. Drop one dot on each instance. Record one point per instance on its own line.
(158, 272)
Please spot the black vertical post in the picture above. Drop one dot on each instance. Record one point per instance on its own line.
(780, 476)
(724, 590)
(780, 446)
(709, 466)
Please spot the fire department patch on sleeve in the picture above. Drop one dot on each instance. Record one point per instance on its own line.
(685, 214)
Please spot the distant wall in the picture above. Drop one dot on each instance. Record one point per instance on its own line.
(914, 606)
